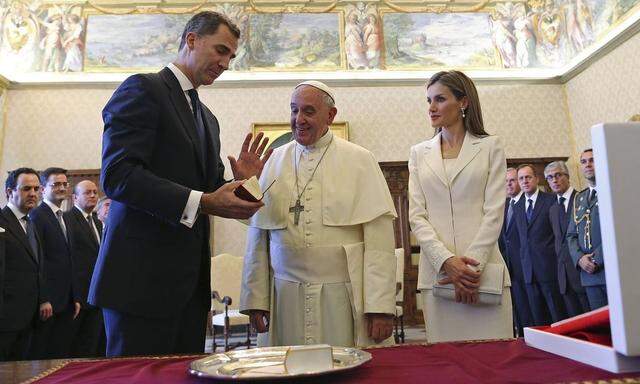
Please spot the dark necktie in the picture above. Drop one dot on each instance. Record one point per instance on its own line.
(197, 116)
(593, 196)
(563, 211)
(561, 201)
(529, 210)
(31, 236)
(93, 228)
(512, 202)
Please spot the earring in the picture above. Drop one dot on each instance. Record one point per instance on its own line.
(463, 115)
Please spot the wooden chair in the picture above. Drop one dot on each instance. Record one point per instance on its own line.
(226, 277)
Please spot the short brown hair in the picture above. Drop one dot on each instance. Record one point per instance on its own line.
(207, 23)
(530, 166)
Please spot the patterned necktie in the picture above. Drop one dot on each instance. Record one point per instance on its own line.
(61, 222)
(512, 202)
(93, 228)
(529, 210)
(197, 116)
(31, 236)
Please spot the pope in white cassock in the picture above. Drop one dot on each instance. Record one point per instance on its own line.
(320, 264)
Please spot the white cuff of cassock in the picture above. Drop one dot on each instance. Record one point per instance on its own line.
(190, 213)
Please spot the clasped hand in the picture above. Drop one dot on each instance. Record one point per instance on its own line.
(223, 202)
(464, 278)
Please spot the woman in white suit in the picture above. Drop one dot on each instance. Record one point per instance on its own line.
(456, 207)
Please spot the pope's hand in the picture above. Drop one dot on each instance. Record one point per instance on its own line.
(379, 326)
(250, 160)
(224, 203)
(259, 320)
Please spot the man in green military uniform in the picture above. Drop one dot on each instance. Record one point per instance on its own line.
(583, 235)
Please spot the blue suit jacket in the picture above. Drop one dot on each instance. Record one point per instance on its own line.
(509, 243)
(537, 251)
(57, 262)
(567, 273)
(149, 263)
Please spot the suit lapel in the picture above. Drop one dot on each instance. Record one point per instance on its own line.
(84, 224)
(15, 228)
(433, 158)
(564, 224)
(179, 102)
(470, 148)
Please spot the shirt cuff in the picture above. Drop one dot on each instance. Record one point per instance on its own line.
(190, 213)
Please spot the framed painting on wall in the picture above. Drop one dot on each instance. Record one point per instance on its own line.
(116, 43)
(280, 133)
(295, 42)
(435, 40)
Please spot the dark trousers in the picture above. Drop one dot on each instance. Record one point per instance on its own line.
(182, 333)
(52, 338)
(523, 317)
(597, 295)
(14, 345)
(545, 302)
(88, 328)
(575, 303)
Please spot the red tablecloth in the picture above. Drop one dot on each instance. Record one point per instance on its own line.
(481, 362)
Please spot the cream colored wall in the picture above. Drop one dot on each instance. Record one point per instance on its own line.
(62, 127)
(607, 91)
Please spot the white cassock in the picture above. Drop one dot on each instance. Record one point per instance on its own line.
(320, 277)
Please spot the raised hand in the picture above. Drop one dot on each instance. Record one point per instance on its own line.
(250, 161)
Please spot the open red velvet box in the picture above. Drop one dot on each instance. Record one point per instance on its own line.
(617, 162)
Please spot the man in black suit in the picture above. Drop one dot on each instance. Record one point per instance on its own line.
(509, 243)
(161, 167)
(537, 252)
(19, 265)
(86, 232)
(59, 301)
(575, 300)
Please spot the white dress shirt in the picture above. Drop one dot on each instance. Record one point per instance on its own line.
(567, 196)
(190, 212)
(19, 215)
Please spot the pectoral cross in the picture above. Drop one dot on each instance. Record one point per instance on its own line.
(296, 209)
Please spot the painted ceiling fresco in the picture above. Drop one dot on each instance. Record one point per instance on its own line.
(46, 37)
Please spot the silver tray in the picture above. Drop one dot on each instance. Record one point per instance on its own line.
(268, 363)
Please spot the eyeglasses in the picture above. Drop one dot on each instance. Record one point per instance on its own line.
(554, 176)
(59, 184)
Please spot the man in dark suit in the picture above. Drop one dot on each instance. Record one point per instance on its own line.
(59, 300)
(87, 231)
(537, 252)
(509, 243)
(583, 235)
(19, 265)
(161, 167)
(575, 300)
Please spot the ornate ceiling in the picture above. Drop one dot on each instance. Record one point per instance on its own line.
(384, 40)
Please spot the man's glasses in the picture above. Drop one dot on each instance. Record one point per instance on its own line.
(554, 176)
